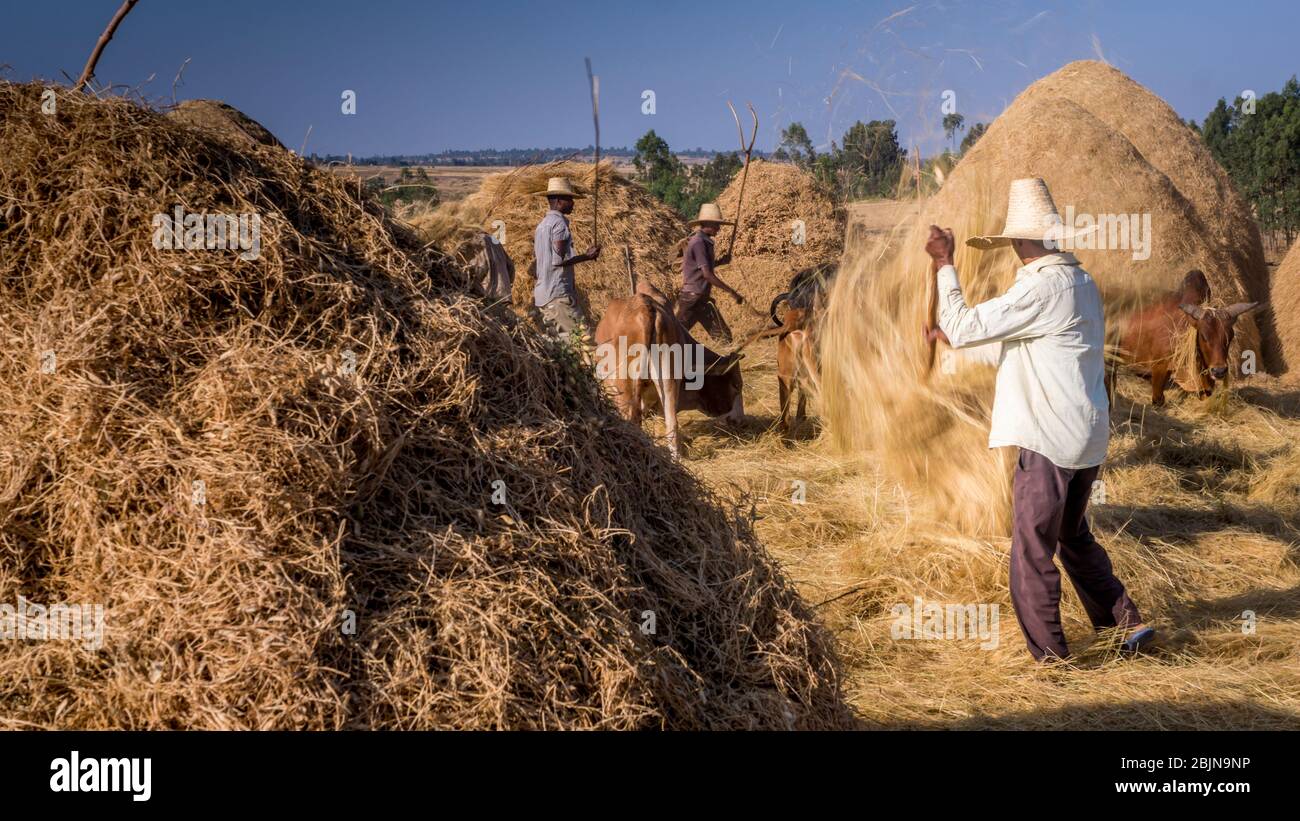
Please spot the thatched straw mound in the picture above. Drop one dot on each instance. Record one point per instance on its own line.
(766, 255)
(1219, 214)
(629, 215)
(224, 121)
(350, 413)
(933, 433)
(1284, 307)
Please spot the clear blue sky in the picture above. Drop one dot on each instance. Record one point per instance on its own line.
(436, 75)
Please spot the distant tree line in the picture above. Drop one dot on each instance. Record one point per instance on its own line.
(494, 156)
(1257, 141)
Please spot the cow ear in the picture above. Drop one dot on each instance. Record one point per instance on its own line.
(1194, 311)
(1240, 308)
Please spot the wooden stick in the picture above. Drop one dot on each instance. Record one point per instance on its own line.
(89, 70)
(931, 313)
(594, 82)
(748, 151)
(631, 273)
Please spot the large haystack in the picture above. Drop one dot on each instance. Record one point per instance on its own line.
(1217, 211)
(933, 435)
(629, 215)
(767, 252)
(1284, 307)
(324, 488)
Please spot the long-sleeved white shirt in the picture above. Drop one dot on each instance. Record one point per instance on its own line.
(1051, 390)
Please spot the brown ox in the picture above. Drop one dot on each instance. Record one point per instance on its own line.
(648, 358)
(796, 347)
(1150, 338)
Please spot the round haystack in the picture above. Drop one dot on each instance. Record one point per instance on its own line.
(224, 121)
(322, 487)
(629, 215)
(1219, 214)
(875, 398)
(1284, 308)
(787, 225)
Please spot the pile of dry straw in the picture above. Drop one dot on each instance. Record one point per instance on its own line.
(629, 215)
(278, 475)
(1284, 310)
(769, 248)
(1105, 145)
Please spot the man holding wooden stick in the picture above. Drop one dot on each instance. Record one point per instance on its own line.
(695, 305)
(1051, 404)
(556, 293)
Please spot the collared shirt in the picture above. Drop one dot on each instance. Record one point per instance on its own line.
(553, 279)
(1051, 389)
(697, 258)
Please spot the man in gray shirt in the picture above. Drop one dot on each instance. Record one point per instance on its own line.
(556, 294)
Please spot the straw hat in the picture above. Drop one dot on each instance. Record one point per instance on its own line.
(561, 187)
(1031, 214)
(710, 212)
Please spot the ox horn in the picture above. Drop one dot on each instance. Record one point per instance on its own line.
(1194, 311)
(1240, 308)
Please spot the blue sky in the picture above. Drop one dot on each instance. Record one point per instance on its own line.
(436, 75)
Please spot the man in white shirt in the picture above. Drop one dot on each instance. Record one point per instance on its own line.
(1051, 403)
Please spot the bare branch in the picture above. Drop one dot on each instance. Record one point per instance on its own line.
(89, 70)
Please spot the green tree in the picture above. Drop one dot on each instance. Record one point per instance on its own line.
(706, 182)
(952, 123)
(1257, 142)
(796, 145)
(660, 170)
(973, 136)
(682, 188)
(870, 161)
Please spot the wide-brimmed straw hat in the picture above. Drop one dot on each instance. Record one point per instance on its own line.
(561, 187)
(1031, 214)
(710, 212)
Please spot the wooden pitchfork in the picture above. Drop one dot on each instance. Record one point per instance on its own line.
(747, 149)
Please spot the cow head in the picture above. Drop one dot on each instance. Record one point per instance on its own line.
(1214, 332)
(724, 389)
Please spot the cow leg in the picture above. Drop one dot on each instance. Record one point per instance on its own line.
(784, 390)
(1159, 379)
(632, 400)
(803, 398)
(666, 386)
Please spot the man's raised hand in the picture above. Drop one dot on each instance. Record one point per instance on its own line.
(940, 246)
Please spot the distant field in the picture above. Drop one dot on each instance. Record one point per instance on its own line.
(879, 216)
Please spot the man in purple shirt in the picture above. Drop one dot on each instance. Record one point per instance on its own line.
(695, 305)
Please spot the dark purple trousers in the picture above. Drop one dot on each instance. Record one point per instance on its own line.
(1049, 503)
